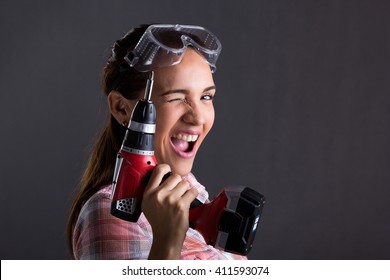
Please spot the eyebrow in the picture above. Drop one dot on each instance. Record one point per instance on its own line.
(184, 91)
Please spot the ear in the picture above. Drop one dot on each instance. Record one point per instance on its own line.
(120, 107)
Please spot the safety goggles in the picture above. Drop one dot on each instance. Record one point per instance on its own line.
(165, 44)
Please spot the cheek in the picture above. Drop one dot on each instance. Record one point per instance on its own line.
(161, 127)
(164, 122)
(210, 118)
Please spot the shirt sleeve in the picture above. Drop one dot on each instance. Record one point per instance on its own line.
(100, 235)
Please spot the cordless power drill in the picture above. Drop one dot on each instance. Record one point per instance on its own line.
(229, 222)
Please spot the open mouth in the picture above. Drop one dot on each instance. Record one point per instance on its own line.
(184, 143)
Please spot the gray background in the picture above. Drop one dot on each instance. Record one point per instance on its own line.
(302, 117)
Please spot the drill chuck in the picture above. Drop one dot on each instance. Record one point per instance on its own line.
(139, 136)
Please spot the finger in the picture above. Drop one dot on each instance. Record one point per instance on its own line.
(180, 189)
(157, 176)
(171, 182)
(189, 196)
(166, 176)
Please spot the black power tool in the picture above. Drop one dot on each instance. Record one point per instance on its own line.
(228, 222)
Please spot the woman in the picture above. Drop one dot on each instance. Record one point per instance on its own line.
(183, 95)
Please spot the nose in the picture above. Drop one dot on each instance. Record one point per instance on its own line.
(194, 114)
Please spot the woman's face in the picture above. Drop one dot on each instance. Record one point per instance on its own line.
(183, 96)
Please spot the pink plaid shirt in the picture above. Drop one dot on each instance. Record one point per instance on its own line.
(99, 235)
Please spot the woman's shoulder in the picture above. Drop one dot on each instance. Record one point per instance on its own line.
(103, 194)
(98, 202)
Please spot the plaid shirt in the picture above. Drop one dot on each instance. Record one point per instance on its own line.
(99, 235)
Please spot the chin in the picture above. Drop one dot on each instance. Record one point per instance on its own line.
(178, 166)
(181, 166)
(181, 170)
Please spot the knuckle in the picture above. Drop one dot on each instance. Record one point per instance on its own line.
(171, 200)
(176, 177)
(163, 167)
(182, 205)
(152, 195)
(186, 184)
(194, 192)
(159, 197)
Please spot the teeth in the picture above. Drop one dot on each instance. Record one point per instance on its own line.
(186, 137)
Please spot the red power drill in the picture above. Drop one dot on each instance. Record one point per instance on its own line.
(229, 222)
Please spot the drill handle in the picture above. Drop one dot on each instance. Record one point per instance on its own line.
(195, 203)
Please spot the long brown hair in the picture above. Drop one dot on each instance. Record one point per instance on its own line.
(99, 171)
